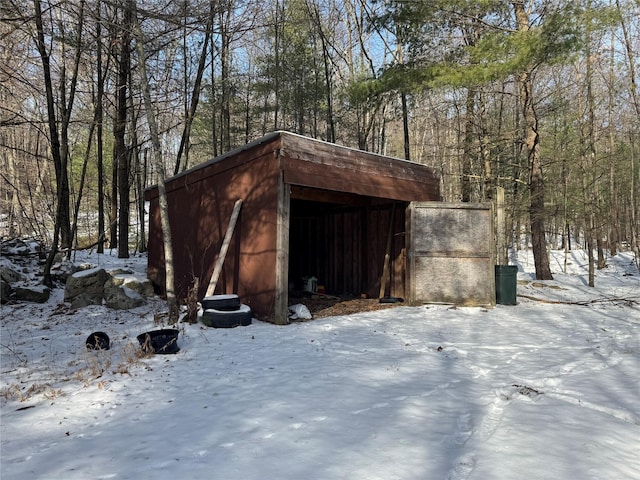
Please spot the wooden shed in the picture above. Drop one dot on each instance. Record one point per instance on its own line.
(310, 209)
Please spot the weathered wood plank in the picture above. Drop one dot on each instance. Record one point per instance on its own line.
(313, 175)
(327, 196)
(225, 246)
(327, 154)
(450, 254)
(281, 314)
(452, 229)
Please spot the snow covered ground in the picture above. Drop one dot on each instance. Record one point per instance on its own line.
(539, 390)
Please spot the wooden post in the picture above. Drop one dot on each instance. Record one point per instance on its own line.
(387, 255)
(281, 316)
(225, 246)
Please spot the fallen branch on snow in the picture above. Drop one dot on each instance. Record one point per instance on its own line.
(628, 301)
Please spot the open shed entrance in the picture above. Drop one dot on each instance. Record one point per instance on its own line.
(341, 239)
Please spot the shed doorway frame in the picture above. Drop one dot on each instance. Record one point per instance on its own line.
(367, 257)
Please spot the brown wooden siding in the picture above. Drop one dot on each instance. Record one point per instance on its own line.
(341, 240)
(199, 215)
(340, 180)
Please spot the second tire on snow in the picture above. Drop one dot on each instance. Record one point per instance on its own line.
(227, 318)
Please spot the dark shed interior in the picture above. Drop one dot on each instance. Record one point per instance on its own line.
(342, 242)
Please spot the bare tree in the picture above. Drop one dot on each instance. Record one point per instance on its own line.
(99, 118)
(158, 163)
(59, 140)
(635, 97)
(314, 13)
(121, 154)
(195, 94)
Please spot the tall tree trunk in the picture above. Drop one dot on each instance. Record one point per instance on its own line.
(62, 221)
(278, 18)
(83, 174)
(134, 170)
(225, 81)
(405, 126)
(214, 117)
(589, 232)
(122, 157)
(613, 207)
(113, 202)
(468, 153)
(628, 44)
(485, 151)
(635, 242)
(331, 129)
(633, 90)
(532, 145)
(471, 34)
(99, 139)
(141, 175)
(588, 197)
(65, 105)
(14, 221)
(172, 301)
(247, 109)
(566, 234)
(593, 153)
(590, 160)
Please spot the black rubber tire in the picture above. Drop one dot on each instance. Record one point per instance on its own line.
(98, 341)
(227, 319)
(226, 303)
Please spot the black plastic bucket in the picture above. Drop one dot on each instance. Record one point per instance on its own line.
(159, 341)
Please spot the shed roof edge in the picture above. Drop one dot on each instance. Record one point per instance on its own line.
(268, 138)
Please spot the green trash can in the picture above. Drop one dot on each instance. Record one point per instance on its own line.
(506, 281)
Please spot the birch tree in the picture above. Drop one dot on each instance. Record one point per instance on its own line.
(158, 163)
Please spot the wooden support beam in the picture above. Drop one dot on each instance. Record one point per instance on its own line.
(281, 316)
(387, 255)
(225, 246)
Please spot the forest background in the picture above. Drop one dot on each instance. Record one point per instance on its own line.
(535, 99)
